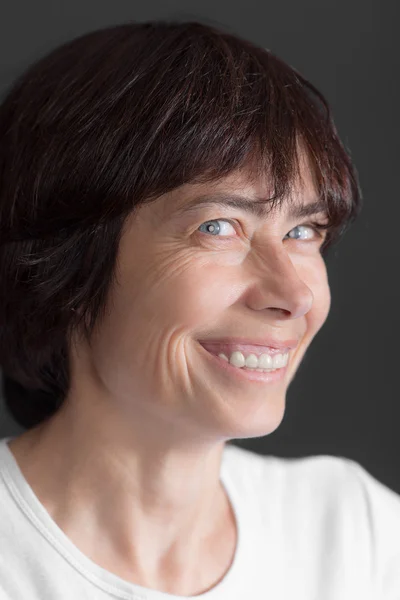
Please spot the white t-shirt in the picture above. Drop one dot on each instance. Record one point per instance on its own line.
(314, 528)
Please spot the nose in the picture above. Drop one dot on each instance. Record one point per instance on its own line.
(280, 288)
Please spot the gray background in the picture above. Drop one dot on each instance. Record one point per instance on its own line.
(344, 400)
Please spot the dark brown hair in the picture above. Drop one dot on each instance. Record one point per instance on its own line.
(111, 120)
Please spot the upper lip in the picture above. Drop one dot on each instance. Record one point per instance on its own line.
(265, 342)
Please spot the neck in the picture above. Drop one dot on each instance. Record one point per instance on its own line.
(133, 501)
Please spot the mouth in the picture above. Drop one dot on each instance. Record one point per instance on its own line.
(241, 374)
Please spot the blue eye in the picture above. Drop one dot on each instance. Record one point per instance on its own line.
(315, 227)
(214, 230)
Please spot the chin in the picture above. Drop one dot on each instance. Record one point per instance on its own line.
(257, 423)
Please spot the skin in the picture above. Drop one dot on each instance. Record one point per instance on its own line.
(129, 466)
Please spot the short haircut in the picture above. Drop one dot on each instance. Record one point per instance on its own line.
(113, 119)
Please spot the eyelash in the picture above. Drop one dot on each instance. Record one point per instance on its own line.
(317, 227)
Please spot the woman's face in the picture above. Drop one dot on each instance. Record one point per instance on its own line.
(179, 281)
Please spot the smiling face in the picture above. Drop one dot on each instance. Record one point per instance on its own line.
(181, 279)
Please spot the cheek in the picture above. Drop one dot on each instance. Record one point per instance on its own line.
(317, 281)
(153, 311)
(186, 288)
(178, 292)
(203, 294)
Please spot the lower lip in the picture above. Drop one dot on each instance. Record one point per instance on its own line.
(243, 373)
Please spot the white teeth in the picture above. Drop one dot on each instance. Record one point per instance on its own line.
(279, 361)
(251, 361)
(265, 361)
(237, 359)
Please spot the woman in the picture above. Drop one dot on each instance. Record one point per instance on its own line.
(168, 194)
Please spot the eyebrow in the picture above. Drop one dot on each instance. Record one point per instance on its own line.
(250, 205)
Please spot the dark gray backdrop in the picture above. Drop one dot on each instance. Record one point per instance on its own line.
(344, 399)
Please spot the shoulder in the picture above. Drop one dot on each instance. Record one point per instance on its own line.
(322, 475)
(333, 501)
(325, 479)
(324, 472)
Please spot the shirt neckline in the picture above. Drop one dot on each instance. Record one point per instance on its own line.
(30, 504)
